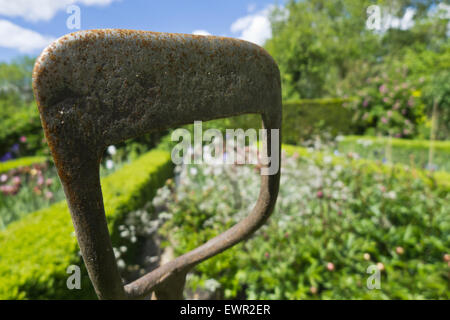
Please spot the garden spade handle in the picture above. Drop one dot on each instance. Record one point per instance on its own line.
(100, 87)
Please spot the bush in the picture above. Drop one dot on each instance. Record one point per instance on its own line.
(410, 152)
(36, 250)
(389, 105)
(301, 119)
(22, 162)
(334, 217)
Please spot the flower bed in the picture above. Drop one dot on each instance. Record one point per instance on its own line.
(335, 219)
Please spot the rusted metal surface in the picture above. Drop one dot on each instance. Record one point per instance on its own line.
(99, 87)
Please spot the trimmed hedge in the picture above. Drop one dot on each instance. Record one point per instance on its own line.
(21, 162)
(36, 250)
(301, 119)
(402, 150)
(438, 179)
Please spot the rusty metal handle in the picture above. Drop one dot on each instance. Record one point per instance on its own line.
(99, 87)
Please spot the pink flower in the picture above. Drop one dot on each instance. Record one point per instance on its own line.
(3, 178)
(365, 102)
(386, 100)
(411, 102)
(383, 88)
(49, 195)
(49, 182)
(267, 255)
(40, 180)
(389, 113)
(9, 190)
(23, 139)
(384, 120)
(320, 194)
(330, 266)
(16, 180)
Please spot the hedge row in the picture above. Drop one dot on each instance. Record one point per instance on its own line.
(36, 250)
(301, 119)
(440, 179)
(22, 162)
(400, 150)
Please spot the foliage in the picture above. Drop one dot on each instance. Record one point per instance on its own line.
(335, 217)
(388, 106)
(301, 120)
(22, 162)
(37, 249)
(408, 152)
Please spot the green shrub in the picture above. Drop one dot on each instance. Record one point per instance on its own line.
(21, 162)
(301, 119)
(36, 250)
(411, 152)
(21, 120)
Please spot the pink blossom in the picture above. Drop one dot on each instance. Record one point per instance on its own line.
(49, 195)
(382, 88)
(330, 266)
(49, 182)
(389, 113)
(386, 100)
(319, 194)
(365, 102)
(16, 180)
(384, 120)
(9, 190)
(3, 178)
(23, 139)
(40, 180)
(267, 255)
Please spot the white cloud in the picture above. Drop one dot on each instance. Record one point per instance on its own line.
(201, 32)
(25, 40)
(254, 27)
(37, 10)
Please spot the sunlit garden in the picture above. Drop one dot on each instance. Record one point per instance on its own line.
(363, 210)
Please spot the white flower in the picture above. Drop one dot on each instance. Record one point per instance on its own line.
(3, 178)
(212, 285)
(193, 171)
(109, 164)
(121, 264)
(112, 150)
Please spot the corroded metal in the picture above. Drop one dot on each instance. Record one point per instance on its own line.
(99, 87)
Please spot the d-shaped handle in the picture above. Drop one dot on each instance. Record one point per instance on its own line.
(100, 87)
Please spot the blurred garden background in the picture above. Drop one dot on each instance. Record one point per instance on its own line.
(365, 172)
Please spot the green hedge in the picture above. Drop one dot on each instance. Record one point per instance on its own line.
(21, 162)
(438, 179)
(36, 250)
(301, 119)
(402, 151)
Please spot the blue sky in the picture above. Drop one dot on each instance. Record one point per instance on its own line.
(27, 26)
